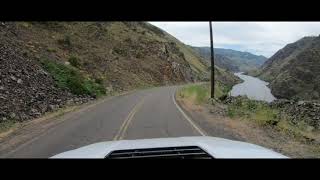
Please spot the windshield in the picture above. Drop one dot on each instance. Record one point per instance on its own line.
(69, 85)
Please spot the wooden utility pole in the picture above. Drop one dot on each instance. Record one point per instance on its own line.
(212, 61)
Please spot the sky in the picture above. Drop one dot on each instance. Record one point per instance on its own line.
(260, 38)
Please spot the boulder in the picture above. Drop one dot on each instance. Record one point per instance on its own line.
(19, 81)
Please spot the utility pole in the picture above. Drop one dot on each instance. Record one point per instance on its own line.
(212, 61)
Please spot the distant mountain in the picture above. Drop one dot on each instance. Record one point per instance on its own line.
(225, 63)
(231, 59)
(294, 71)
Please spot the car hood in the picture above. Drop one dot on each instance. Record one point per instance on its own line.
(216, 147)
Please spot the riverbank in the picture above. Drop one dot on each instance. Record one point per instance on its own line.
(252, 121)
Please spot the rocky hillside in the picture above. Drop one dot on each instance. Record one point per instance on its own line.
(294, 71)
(47, 65)
(26, 90)
(225, 63)
(225, 77)
(232, 60)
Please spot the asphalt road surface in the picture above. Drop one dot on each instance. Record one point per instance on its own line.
(150, 113)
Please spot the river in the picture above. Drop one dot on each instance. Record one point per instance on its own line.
(253, 88)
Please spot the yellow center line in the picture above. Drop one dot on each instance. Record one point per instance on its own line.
(127, 121)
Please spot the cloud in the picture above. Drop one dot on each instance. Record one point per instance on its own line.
(262, 38)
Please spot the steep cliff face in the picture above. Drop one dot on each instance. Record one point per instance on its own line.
(294, 71)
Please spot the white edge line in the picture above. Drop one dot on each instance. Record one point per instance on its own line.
(186, 116)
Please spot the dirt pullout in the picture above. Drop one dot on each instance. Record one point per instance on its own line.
(215, 122)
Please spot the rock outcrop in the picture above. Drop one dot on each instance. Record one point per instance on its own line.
(298, 111)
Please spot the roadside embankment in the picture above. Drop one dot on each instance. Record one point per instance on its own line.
(290, 128)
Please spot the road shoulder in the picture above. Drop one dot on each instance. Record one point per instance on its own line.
(216, 122)
(216, 126)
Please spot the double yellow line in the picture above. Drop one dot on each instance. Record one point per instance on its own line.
(121, 133)
(125, 124)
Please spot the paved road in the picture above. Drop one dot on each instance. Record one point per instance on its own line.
(150, 113)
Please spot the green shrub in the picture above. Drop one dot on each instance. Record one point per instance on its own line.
(74, 61)
(201, 93)
(120, 51)
(7, 124)
(98, 81)
(257, 111)
(139, 55)
(66, 41)
(67, 77)
(231, 113)
(51, 49)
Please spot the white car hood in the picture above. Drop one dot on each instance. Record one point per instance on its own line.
(216, 147)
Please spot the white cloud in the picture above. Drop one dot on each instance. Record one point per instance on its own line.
(262, 38)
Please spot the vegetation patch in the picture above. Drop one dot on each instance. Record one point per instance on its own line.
(49, 49)
(65, 41)
(6, 125)
(200, 94)
(74, 61)
(120, 51)
(263, 114)
(279, 131)
(197, 93)
(257, 111)
(70, 78)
